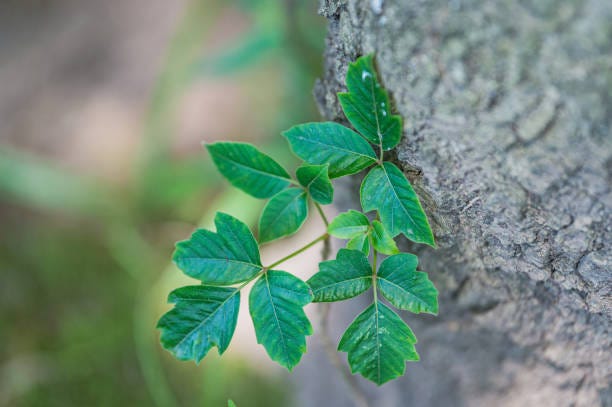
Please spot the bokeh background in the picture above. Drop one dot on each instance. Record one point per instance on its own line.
(103, 109)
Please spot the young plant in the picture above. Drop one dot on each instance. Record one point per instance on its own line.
(378, 342)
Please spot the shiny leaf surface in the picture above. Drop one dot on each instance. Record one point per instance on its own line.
(346, 277)
(387, 190)
(283, 215)
(202, 317)
(226, 257)
(276, 305)
(379, 343)
(405, 287)
(348, 225)
(366, 105)
(315, 179)
(249, 169)
(331, 143)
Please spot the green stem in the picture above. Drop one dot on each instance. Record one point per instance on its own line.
(298, 251)
(374, 265)
(320, 210)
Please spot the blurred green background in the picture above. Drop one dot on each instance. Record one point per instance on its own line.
(103, 109)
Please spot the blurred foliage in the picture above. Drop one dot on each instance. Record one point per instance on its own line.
(77, 254)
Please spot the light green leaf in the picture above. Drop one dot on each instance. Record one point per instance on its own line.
(249, 169)
(405, 287)
(387, 190)
(315, 179)
(360, 242)
(202, 317)
(346, 277)
(230, 403)
(367, 106)
(381, 239)
(283, 215)
(331, 143)
(348, 225)
(227, 257)
(378, 343)
(276, 304)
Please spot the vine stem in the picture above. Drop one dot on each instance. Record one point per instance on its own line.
(323, 217)
(298, 251)
(358, 396)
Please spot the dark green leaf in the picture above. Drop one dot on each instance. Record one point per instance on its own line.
(202, 317)
(346, 277)
(378, 343)
(249, 169)
(382, 240)
(227, 257)
(387, 190)
(331, 143)
(348, 225)
(283, 215)
(405, 287)
(367, 106)
(315, 179)
(276, 304)
(360, 242)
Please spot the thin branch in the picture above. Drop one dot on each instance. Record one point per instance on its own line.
(320, 210)
(298, 251)
(324, 308)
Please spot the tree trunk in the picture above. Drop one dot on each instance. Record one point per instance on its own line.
(507, 108)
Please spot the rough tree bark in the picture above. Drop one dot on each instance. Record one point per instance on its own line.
(507, 107)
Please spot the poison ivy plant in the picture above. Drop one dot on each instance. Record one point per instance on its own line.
(378, 342)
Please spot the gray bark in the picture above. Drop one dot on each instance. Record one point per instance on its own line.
(507, 108)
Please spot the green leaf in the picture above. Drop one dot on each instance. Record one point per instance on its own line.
(360, 242)
(331, 143)
(227, 257)
(381, 239)
(348, 225)
(387, 190)
(283, 215)
(405, 287)
(346, 277)
(230, 403)
(202, 317)
(276, 304)
(315, 179)
(378, 343)
(249, 169)
(367, 106)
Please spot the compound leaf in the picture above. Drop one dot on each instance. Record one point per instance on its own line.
(387, 190)
(276, 304)
(283, 215)
(202, 317)
(331, 143)
(366, 105)
(360, 242)
(348, 225)
(315, 179)
(381, 239)
(227, 257)
(378, 343)
(405, 287)
(249, 169)
(346, 277)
